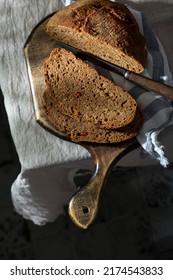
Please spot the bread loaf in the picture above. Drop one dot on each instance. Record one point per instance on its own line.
(80, 92)
(82, 132)
(103, 28)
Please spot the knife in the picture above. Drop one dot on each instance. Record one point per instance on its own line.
(144, 82)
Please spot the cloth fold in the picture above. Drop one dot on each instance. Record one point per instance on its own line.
(158, 111)
(43, 186)
(40, 194)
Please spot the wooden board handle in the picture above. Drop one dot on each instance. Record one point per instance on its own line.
(84, 205)
(151, 85)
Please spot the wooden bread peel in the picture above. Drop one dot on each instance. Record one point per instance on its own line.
(83, 207)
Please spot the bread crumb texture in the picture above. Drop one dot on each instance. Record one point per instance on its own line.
(84, 105)
(81, 93)
(82, 132)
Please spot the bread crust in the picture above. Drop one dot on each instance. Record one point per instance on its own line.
(103, 28)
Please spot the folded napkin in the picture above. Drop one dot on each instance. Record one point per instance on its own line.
(48, 164)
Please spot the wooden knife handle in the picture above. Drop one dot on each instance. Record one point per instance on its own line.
(151, 85)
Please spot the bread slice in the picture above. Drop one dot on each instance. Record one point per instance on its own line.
(82, 132)
(83, 94)
(103, 28)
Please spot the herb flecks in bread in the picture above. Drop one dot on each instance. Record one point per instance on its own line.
(103, 28)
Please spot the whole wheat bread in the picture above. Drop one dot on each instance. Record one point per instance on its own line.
(80, 92)
(103, 28)
(82, 132)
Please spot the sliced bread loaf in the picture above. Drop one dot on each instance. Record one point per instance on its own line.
(83, 94)
(103, 28)
(82, 132)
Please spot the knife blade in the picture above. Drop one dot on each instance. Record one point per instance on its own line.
(144, 82)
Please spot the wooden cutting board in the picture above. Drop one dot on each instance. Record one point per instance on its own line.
(83, 207)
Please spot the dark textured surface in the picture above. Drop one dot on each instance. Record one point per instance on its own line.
(135, 220)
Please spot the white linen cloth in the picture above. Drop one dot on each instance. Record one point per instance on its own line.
(44, 184)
